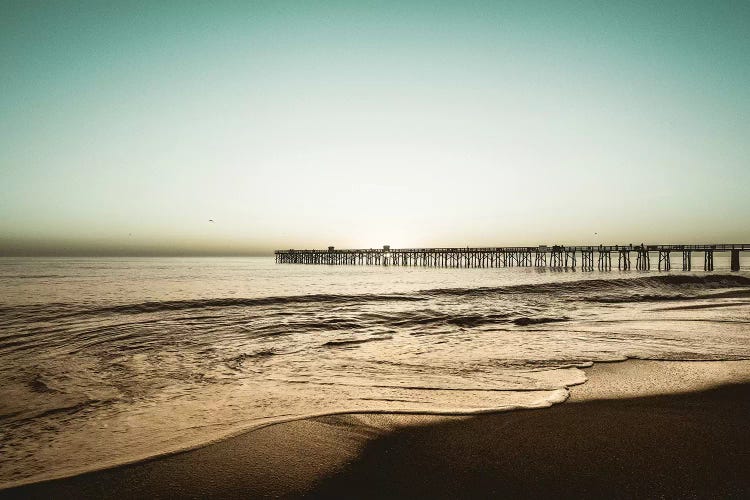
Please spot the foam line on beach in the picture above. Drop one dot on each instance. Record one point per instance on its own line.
(639, 382)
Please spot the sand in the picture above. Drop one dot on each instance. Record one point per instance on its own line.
(635, 429)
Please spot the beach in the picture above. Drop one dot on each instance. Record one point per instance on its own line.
(635, 428)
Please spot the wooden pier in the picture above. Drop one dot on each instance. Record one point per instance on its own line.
(555, 257)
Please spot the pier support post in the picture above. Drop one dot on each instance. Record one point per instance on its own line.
(664, 260)
(587, 259)
(556, 258)
(686, 260)
(605, 260)
(540, 259)
(735, 260)
(572, 255)
(643, 261)
(623, 261)
(708, 260)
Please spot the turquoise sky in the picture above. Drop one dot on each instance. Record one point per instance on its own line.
(126, 126)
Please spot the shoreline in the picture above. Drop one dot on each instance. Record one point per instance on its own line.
(328, 455)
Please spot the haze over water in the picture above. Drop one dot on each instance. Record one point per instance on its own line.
(104, 361)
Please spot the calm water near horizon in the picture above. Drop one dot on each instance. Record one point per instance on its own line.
(108, 360)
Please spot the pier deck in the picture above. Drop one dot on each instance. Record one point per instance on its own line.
(553, 256)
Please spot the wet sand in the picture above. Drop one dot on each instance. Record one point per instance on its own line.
(635, 429)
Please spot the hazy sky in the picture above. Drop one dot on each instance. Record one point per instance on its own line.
(126, 126)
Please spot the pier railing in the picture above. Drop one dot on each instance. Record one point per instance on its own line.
(554, 256)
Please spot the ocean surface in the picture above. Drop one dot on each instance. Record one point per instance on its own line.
(106, 361)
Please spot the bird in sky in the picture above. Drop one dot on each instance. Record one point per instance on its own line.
(210, 220)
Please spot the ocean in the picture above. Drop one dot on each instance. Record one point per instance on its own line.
(105, 361)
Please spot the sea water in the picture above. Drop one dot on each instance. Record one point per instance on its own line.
(106, 361)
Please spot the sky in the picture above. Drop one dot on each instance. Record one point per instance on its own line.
(125, 127)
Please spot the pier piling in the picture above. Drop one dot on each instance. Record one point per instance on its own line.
(664, 261)
(708, 260)
(686, 260)
(735, 260)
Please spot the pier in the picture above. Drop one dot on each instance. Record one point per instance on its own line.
(585, 258)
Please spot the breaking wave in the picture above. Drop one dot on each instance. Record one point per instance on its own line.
(638, 289)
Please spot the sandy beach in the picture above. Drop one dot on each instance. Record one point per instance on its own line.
(636, 428)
